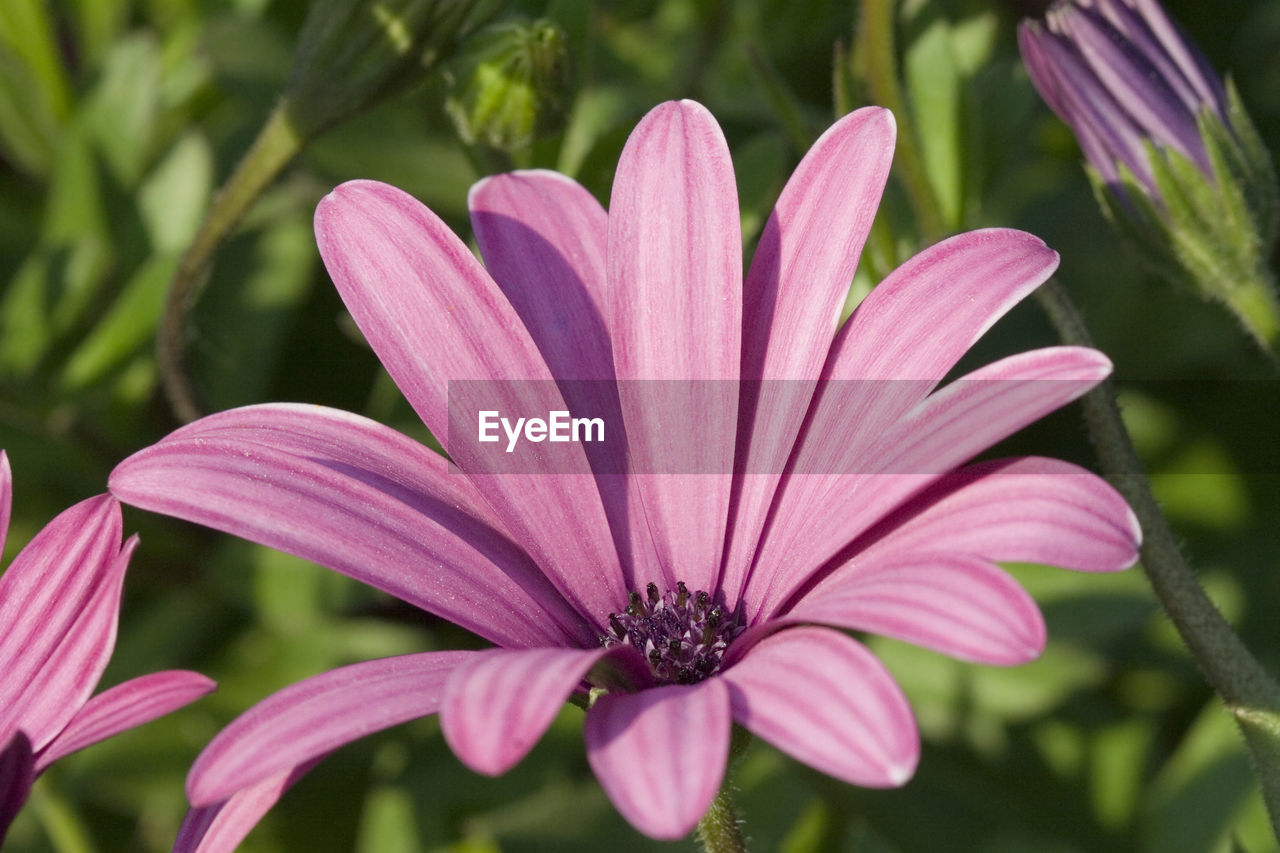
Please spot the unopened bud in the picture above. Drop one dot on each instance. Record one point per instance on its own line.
(511, 85)
(1175, 161)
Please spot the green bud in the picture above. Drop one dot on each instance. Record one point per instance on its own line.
(1211, 230)
(352, 53)
(510, 85)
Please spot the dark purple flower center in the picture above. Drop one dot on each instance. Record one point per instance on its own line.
(683, 635)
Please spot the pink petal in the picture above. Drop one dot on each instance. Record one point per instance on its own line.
(60, 688)
(956, 604)
(455, 346)
(792, 299)
(660, 754)
(499, 703)
(943, 431)
(59, 603)
(903, 339)
(17, 773)
(124, 707)
(824, 699)
(360, 498)
(675, 278)
(1029, 510)
(6, 496)
(220, 827)
(990, 404)
(948, 296)
(543, 239)
(313, 717)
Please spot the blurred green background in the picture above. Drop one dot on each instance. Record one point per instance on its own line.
(118, 118)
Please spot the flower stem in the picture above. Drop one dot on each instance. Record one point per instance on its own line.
(277, 144)
(720, 831)
(1250, 692)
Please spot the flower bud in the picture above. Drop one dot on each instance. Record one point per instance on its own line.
(1176, 163)
(511, 84)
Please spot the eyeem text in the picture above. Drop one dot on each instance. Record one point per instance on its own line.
(558, 426)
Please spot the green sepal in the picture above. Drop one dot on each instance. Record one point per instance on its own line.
(1258, 177)
(1210, 231)
(1261, 729)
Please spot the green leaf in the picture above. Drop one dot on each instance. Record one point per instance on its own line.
(596, 111)
(1118, 769)
(24, 316)
(123, 108)
(173, 198)
(126, 327)
(1028, 691)
(27, 34)
(937, 101)
(28, 127)
(97, 24)
(1203, 790)
(74, 208)
(387, 824)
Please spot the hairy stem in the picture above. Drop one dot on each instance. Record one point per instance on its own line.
(720, 831)
(1248, 689)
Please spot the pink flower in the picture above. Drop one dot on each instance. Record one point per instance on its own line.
(59, 603)
(695, 598)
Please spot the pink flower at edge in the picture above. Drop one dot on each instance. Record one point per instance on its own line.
(59, 604)
(847, 510)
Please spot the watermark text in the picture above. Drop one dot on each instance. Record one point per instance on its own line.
(558, 426)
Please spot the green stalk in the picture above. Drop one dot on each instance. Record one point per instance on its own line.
(276, 145)
(720, 831)
(1250, 692)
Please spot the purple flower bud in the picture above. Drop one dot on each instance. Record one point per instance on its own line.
(1121, 73)
(1174, 157)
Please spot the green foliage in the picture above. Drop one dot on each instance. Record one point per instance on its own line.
(118, 121)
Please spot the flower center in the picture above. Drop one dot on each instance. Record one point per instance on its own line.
(682, 635)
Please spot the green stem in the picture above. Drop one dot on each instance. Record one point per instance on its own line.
(720, 831)
(879, 54)
(277, 144)
(1248, 689)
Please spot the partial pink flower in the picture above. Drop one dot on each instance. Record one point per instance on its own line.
(829, 498)
(59, 604)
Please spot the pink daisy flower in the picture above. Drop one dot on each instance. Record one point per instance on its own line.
(59, 604)
(831, 499)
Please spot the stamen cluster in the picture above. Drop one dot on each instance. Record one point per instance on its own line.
(682, 635)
